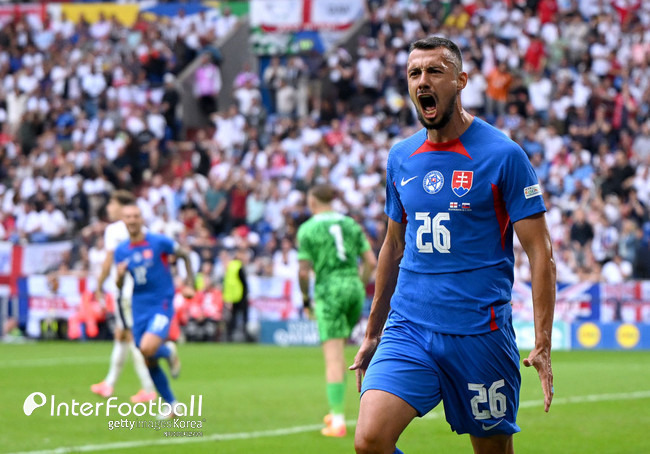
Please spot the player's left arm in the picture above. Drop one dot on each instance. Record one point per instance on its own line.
(304, 275)
(305, 267)
(535, 238)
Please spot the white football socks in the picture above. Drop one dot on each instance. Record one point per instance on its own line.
(141, 368)
(118, 357)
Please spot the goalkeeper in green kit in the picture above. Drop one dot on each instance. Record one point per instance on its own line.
(331, 244)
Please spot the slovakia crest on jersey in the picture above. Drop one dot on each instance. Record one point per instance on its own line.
(461, 182)
(433, 182)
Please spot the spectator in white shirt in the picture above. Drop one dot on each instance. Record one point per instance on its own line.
(63, 26)
(28, 224)
(599, 53)
(369, 74)
(165, 225)
(540, 91)
(245, 96)
(617, 270)
(16, 107)
(93, 83)
(96, 257)
(286, 99)
(182, 23)
(53, 223)
(230, 128)
(27, 80)
(310, 134)
(368, 122)
(274, 210)
(473, 96)
(285, 260)
(101, 29)
(225, 22)
(155, 121)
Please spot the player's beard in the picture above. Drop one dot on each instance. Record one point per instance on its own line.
(443, 120)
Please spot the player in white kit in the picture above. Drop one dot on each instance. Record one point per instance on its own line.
(114, 234)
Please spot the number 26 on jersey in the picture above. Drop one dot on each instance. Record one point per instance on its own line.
(432, 234)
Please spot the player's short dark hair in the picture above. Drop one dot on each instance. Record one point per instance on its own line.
(123, 197)
(324, 192)
(435, 42)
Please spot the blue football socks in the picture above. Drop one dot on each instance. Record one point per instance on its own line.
(163, 352)
(162, 384)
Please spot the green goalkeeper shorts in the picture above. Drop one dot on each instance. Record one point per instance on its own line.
(338, 307)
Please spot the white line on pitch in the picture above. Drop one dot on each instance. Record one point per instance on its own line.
(311, 427)
(54, 361)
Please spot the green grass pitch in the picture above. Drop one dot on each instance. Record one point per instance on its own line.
(265, 399)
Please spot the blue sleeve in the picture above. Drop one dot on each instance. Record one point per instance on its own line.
(520, 187)
(167, 245)
(393, 207)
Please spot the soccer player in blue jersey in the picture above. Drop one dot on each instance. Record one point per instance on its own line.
(456, 190)
(145, 256)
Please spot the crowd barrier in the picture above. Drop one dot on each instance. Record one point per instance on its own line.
(587, 315)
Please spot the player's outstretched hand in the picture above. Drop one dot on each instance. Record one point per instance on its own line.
(362, 360)
(540, 358)
(99, 296)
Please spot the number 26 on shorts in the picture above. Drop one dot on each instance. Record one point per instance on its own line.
(496, 400)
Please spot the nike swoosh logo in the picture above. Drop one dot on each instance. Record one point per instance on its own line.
(486, 428)
(406, 181)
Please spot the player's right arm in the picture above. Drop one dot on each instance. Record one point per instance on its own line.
(105, 271)
(390, 256)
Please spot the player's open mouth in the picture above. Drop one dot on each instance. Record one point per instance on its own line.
(428, 104)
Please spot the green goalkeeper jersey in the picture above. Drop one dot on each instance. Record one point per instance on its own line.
(333, 243)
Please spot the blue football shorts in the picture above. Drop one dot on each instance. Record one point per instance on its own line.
(475, 376)
(155, 322)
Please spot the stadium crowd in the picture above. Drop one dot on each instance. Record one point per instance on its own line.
(87, 108)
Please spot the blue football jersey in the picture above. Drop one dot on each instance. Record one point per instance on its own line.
(459, 200)
(153, 285)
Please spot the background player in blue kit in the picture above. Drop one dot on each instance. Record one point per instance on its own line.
(146, 257)
(455, 192)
